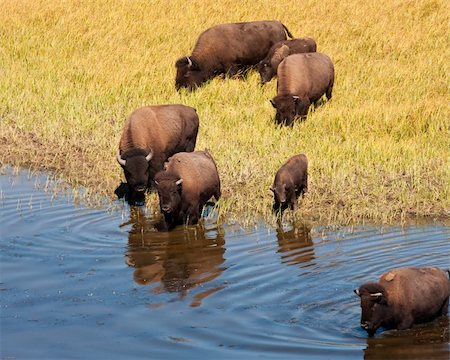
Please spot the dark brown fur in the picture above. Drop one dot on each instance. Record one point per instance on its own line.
(228, 49)
(268, 67)
(302, 80)
(291, 181)
(162, 130)
(404, 297)
(183, 203)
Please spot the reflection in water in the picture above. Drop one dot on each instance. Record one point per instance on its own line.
(425, 341)
(295, 244)
(178, 261)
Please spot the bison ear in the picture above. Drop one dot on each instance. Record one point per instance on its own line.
(273, 103)
(296, 99)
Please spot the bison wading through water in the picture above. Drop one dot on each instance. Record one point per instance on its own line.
(188, 181)
(150, 136)
(404, 297)
(228, 49)
(302, 81)
(291, 181)
(268, 67)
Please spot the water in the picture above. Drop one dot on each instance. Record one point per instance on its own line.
(81, 283)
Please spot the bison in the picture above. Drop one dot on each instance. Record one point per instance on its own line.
(404, 297)
(268, 67)
(188, 181)
(228, 49)
(150, 136)
(302, 81)
(291, 181)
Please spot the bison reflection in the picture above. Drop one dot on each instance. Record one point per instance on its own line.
(177, 261)
(295, 245)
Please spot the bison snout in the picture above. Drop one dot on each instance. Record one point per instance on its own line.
(140, 188)
(165, 208)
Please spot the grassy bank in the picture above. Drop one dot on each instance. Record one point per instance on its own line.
(72, 71)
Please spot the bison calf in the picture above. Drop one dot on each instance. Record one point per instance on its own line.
(302, 80)
(404, 297)
(187, 183)
(150, 136)
(268, 67)
(227, 49)
(291, 181)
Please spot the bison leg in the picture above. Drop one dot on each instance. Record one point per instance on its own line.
(233, 70)
(302, 108)
(217, 194)
(192, 215)
(330, 91)
(406, 323)
(293, 202)
(444, 308)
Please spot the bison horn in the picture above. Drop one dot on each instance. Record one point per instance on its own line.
(296, 98)
(378, 294)
(149, 156)
(120, 160)
(357, 292)
(189, 61)
(179, 182)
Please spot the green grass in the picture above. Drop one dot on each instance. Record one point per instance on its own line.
(72, 71)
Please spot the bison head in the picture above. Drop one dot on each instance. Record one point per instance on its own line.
(169, 191)
(189, 75)
(289, 107)
(279, 192)
(374, 306)
(265, 71)
(135, 165)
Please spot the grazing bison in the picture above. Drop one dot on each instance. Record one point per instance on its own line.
(228, 48)
(291, 181)
(150, 136)
(302, 81)
(268, 67)
(404, 297)
(187, 183)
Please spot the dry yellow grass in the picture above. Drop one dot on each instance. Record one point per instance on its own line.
(71, 71)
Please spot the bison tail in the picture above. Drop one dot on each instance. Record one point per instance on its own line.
(288, 33)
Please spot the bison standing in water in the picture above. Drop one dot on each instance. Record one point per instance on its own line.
(268, 67)
(291, 181)
(150, 136)
(187, 183)
(404, 297)
(302, 80)
(228, 49)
